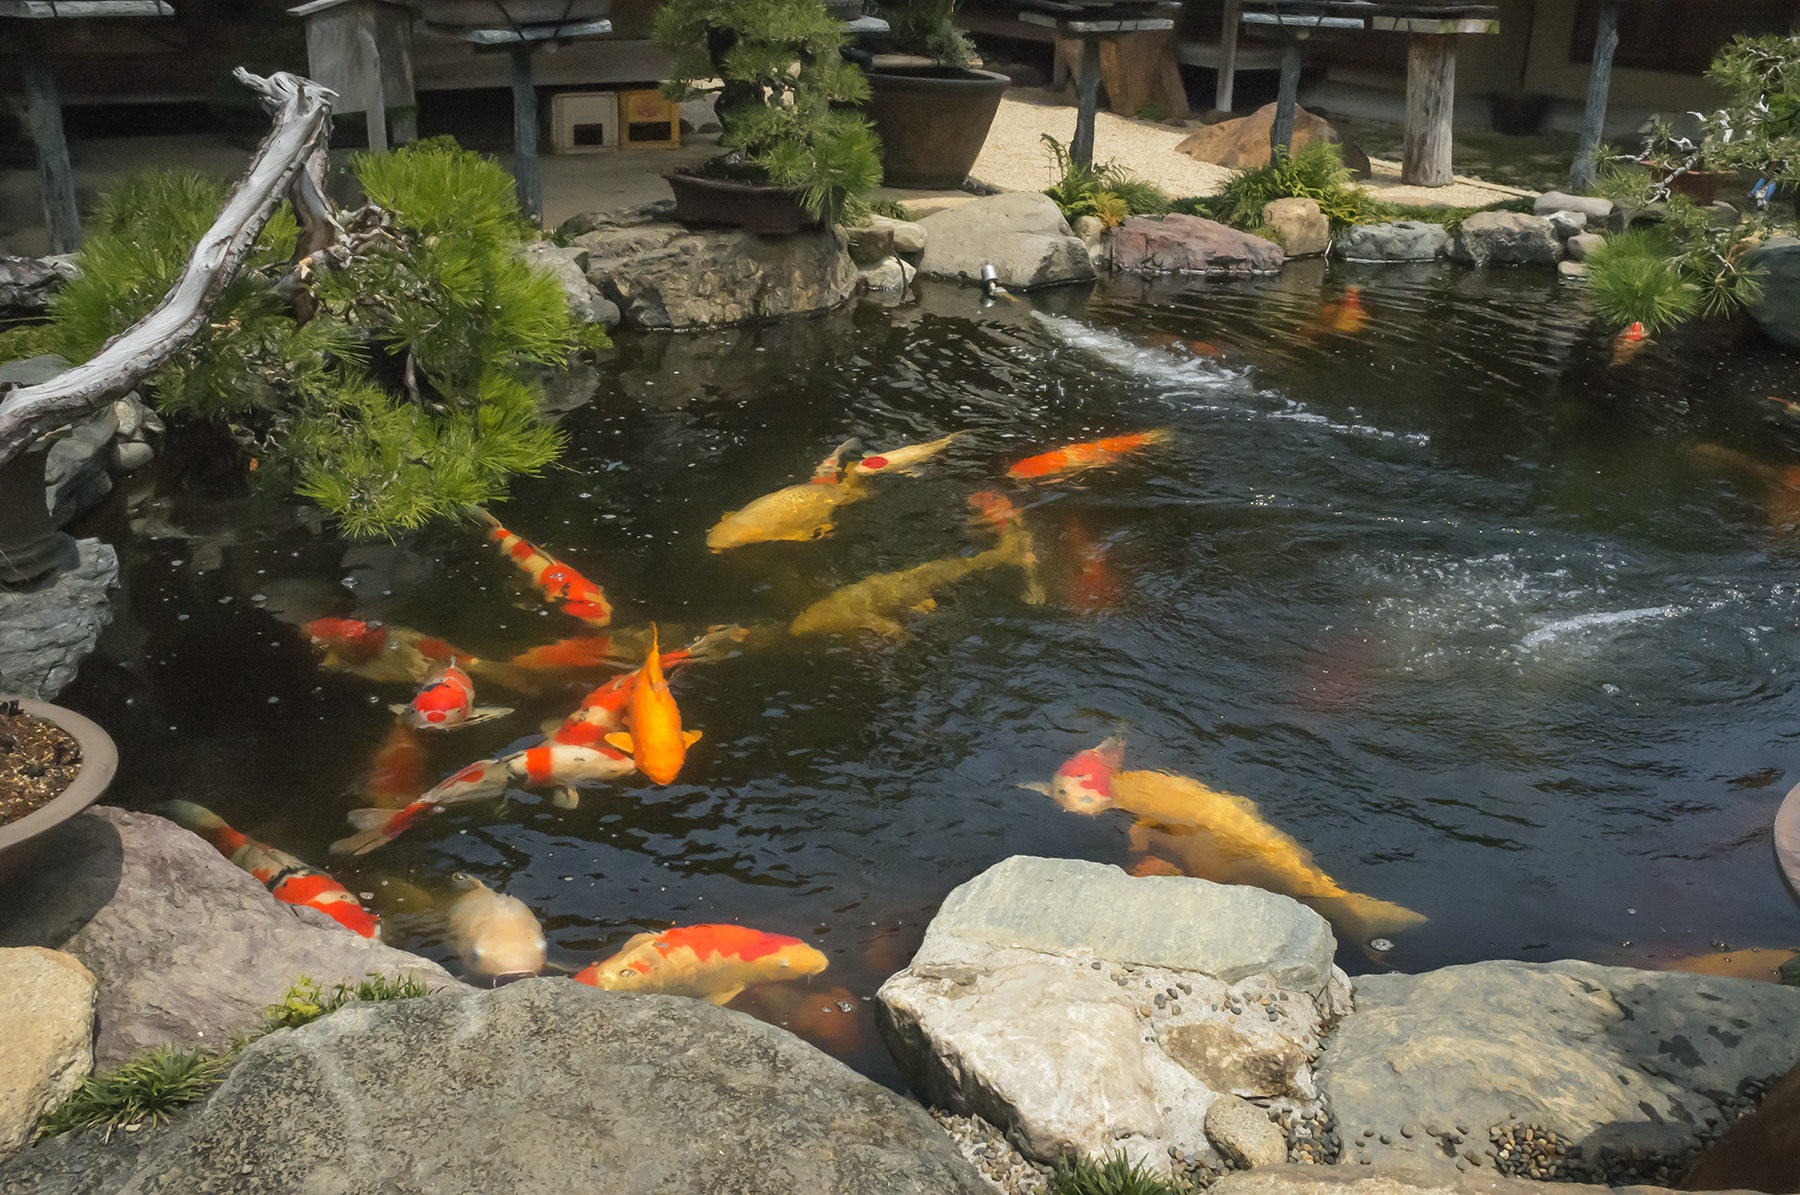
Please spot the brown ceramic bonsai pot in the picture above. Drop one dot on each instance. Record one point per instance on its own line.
(932, 122)
(770, 211)
(21, 840)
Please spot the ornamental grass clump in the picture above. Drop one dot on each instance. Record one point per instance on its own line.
(1317, 172)
(786, 99)
(1108, 191)
(1116, 1175)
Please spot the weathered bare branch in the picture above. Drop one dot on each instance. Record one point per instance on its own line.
(302, 115)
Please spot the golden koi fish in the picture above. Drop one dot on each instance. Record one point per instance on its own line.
(872, 603)
(708, 962)
(496, 936)
(795, 512)
(654, 737)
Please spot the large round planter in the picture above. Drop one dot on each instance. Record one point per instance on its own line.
(771, 211)
(932, 123)
(22, 840)
(30, 541)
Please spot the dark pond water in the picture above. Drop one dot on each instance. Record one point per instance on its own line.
(1496, 630)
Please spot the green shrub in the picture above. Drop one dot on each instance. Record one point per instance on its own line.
(150, 1088)
(1317, 173)
(1117, 1175)
(27, 340)
(1635, 278)
(1107, 190)
(308, 999)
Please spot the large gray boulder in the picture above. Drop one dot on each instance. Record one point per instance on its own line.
(1081, 1010)
(1396, 240)
(1022, 234)
(569, 266)
(186, 948)
(1778, 310)
(50, 625)
(544, 1086)
(1506, 238)
(667, 276)
(1383, 1180)
(47, 1023)
(1593, 207)
(1604, 1056)
(1180, 244)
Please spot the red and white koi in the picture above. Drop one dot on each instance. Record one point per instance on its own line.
(286, 877)
(447, 702)
(904, 459)
(561, 584)
(1084, 782)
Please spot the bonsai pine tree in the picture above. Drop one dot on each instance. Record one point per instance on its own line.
(928, 28)
(784, 103)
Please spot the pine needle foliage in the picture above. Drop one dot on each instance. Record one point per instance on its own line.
(1758, 130)
(1106, 190)
(149, 1089)
(1117, 1175)
(1635, 278)
(928, 28)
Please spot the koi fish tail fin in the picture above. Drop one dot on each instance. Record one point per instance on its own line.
(375, 828)
(507, 675)
(1362, 918)
(837, 464)
(1021, 549)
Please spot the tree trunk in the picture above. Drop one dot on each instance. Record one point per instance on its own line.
(1430, 103)
(525, 132)
(302, 111)
(43, 115)
(1593, 120)
(1087, 103)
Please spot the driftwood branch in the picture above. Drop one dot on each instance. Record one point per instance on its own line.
(302, 115)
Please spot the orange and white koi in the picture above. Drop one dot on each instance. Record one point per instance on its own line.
(653, 733)
(904, 459)
(447, 702)
(1084, 782)
(287, 878)
(1076, 458)
(496, 936)
(1630, 343)
(558, 582)
(795, 512)
(708, 962)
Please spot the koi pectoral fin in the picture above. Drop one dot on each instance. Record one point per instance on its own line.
(726, 996)
(622, 740)
(691, 737)
(1036, 786)
(401, 710)
(487, 714)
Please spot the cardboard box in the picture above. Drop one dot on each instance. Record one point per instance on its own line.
(648, 120)
(584, 122)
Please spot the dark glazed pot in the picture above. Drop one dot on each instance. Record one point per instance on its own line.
(770, 211)
(20, 840)
(30, 542)
(932, 122)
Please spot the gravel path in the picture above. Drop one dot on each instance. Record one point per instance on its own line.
(1015, 158)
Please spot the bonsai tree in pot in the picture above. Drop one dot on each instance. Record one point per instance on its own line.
(933, 120)
(798, 152)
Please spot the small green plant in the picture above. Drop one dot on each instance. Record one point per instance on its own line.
(1117, 1175)
(1107, 190)
(308, 999)
(889, 208)
(1317, 173)
(27, 340)
(149, 1089)
(1151, 110)
(928, 28)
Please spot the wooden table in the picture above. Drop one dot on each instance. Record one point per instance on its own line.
(1092, 23)
(29, 27)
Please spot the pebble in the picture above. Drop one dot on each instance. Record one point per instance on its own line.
(988, 1150)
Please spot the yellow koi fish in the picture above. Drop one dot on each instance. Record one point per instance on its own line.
(904, 459)
(496, 936)
(795, 512)
(708, 962)
(653, 735)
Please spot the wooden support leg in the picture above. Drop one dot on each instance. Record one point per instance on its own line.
(525, 132)
(406, 126)
(1087, 95)
(1222, 95)
(1430, 103)
(1281, 133)
(1593, 120)
(43, 113)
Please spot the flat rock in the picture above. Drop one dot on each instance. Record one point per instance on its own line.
(1021, 234)
(1601, 1055)
(1506, 238)
(1298, 226)
(1081, 1010)
(1243, 143)
(882, 237)
(889, 277)
(1385, 1180)
(1582, 244)
(1593, 207)
(1778, 310)
(569, 266)
(1396, 240)
(47, 1023)
(50, 625)
(1244, 1133)
(540, 1088)
(1181, 244)
(186, 948)
(668, 276)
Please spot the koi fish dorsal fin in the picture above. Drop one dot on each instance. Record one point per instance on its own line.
(620, 739)
(690, 737)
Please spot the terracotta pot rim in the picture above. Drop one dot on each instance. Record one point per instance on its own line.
(99, 764)
(953, 76)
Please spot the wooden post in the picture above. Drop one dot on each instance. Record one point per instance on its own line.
(1087, 102)
(1222, 97)
(525, 131)
(1281, 133)
(43, 113)
(1430, 103)
(1593, 120)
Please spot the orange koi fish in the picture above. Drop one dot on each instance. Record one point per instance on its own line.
(581, 653)
(654, 736)
(447, 702)
(397, 655)
(832, 1019)
(1630, 343)
(1076, 458)
(558, 582)
(708, 962)
(795, 512)
(286, 878)
(1084, 783)
(1345, 316)
(1751, 963)
(397, 776)
(1094, 587)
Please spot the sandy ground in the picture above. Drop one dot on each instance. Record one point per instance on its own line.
(1015, 157)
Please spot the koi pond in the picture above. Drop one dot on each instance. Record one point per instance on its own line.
(1498, 630)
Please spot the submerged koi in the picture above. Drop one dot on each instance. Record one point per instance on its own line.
(286, 877)
(904, 459)
(795, 512)
(1346, 315)
(397, 778)
(1093, 587)
(558, 582)
(447, 702)
(398, 655)
(1630, 343)
(496, 936)
(1787, 837)
(653, 734)
(1076, 458)
(578, 654)
(708, 962)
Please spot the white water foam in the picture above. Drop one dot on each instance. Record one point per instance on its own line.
(1599, 620)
